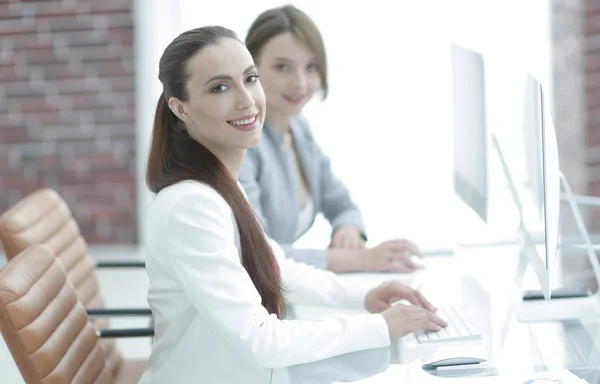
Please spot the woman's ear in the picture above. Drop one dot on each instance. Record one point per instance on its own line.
(178, 109)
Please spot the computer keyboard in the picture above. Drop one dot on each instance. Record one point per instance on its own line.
(460, 327)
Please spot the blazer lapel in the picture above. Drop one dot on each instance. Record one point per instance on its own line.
(310, 166)
(287, 161)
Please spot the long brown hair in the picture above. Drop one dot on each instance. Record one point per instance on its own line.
(175, 156)
(277, 21)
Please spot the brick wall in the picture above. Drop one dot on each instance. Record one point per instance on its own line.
(67, 109)
(569, 112)
(591, 43)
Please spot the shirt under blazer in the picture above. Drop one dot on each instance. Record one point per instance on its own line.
(210, 326)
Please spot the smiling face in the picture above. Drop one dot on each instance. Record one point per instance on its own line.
(225, 108)
(289, 74)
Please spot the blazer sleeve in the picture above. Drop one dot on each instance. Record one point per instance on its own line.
(336, 202)
(206, 264)
(307, 285)
(248, 178)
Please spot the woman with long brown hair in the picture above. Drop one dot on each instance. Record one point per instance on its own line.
(218, 286)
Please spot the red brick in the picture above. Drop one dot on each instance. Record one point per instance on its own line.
(20, 183)
(114, 68)
(111, 116)
(59, 8)
(100, 213)
(103, 53)
(12, 27)
(58, 16)
(113, 177)
(121, 19)
(41, 56)
(23, 90)
(58, 71)
(10, 75)
(593, 137)
(13, 134)
(108, 7)
(121, 35)
(592, 24)
(593, 101)
(594, 188)
(9, 12)
(114, 130)
(35, 105)
(59, 24)
(80, 38)
(74, 177)
(48, 162)
(35, 2)
(592, 80)
(98, 159)
(30, 42)
(122, 83)
(76, 85)
(91, 101)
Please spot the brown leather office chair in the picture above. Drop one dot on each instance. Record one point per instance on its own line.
(44, 217)
(46, 328)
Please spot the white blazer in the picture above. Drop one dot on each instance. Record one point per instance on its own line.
(210, 326)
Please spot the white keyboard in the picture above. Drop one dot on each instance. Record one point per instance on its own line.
(460, 327)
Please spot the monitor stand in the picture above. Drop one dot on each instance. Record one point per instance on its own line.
(561, 309)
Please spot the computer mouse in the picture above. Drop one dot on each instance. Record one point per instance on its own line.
(450, 357)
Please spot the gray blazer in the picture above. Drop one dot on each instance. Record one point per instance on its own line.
(270, 178)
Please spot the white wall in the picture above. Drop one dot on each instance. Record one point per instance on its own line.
(156, 24)
(390, 100)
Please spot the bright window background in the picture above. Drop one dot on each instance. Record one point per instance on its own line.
(387, 121)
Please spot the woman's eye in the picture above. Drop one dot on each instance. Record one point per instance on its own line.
(252, 79)
(312, 67)
(282, 67)
(220, 88)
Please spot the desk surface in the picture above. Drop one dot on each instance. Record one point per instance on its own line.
(483, 279)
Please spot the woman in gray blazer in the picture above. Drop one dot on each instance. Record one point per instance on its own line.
(287, 178)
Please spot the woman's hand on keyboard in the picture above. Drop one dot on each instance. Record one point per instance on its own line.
(385, 294)
(403, 319)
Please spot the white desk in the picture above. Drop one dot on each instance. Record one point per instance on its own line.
(512, 347)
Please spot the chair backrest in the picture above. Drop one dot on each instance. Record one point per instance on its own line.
(43, 217)
(45, 327)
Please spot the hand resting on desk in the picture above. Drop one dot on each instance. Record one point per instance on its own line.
(347, 236)
(389, 256)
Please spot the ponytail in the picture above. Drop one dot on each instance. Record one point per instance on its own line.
(165, 122)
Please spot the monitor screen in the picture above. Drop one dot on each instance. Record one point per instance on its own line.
(532, 132)
(470, 132)
(543, 182)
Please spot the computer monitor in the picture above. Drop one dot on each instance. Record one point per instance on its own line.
(470, 176)
(543, 169)
(471, 158)
(471, 184)
(544, 183)
(532, 133)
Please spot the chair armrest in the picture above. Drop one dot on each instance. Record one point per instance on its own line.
(122, 333)
(121, 264)
(114, 312)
